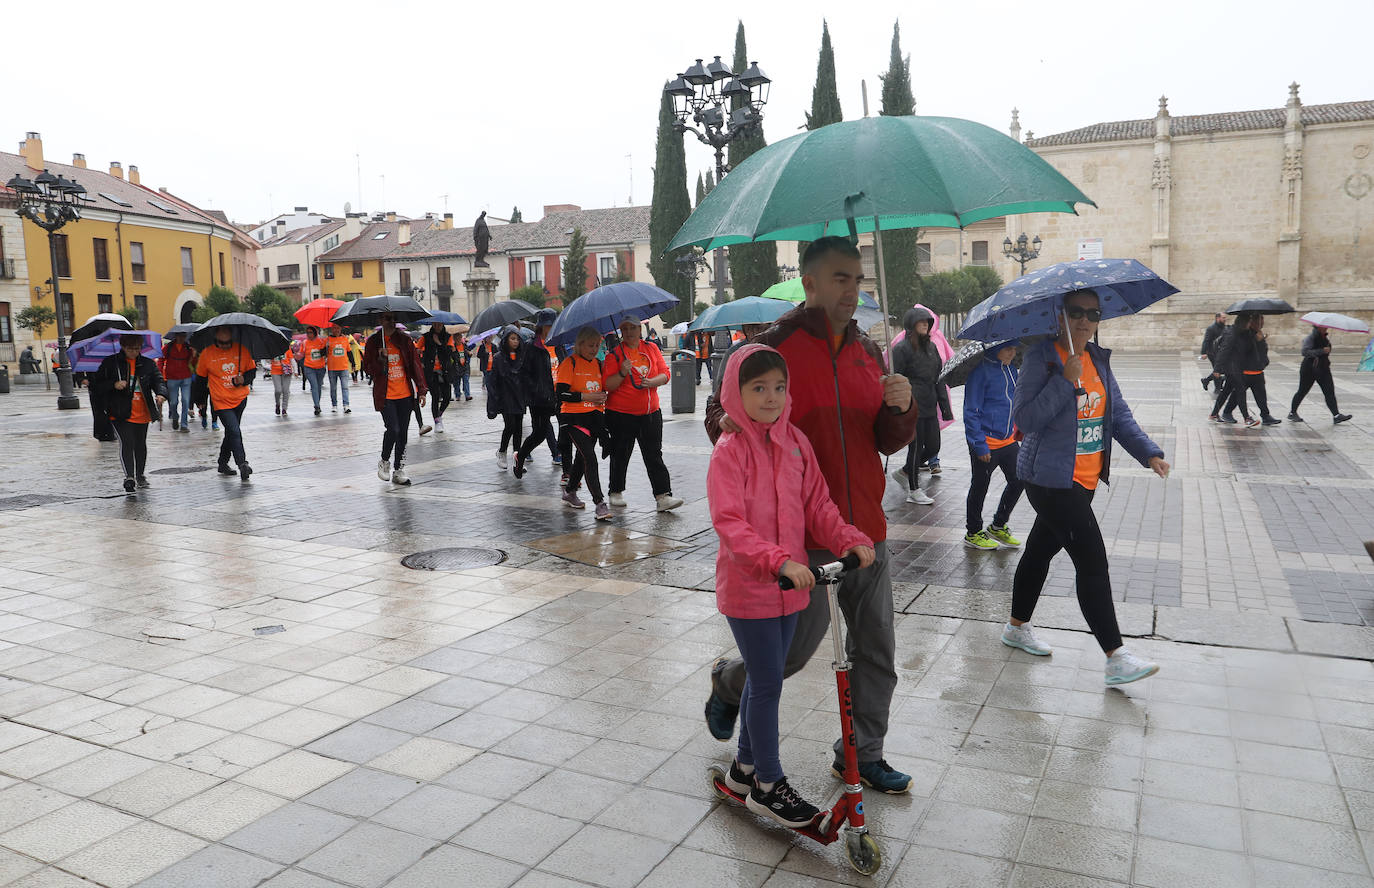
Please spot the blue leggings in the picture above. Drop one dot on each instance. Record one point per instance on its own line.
(763, 644)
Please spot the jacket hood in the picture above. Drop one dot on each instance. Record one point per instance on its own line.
(506, 331)
(732, 402)
(915, 315)
(991, 351)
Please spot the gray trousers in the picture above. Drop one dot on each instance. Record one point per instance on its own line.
(865, 598)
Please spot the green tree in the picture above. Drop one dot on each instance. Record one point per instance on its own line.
(37, 318)
(825, 96)
(531, 293)
(898, 99)
(710, 181)
(515, 216)
(668, 209)
(132, 314)
(947, 292)
(271, 304)
(220, 300)
(575, 267)
(701, 190)
(900, 260)
(622, 270)
(753, 267)
(989, 282)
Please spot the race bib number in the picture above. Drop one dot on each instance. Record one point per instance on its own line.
(1090, 435)
(338, 351)
(393, 366)
(316, 354)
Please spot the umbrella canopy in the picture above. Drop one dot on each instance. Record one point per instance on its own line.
(99, 323)
(86, 355)
(791, 290)
(368, 311)
(867, 318)
(526, 334)
(442, 317)
(965, 358)
(499, 314)
(1333, 321)
(262, 339)
(188, 329)
(319, 313)
(908, 172)
(1029, 305)
(603, 308)
(1261, 305)
(749, 310)
(678, 329)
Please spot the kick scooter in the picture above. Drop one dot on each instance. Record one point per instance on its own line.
(846, 816)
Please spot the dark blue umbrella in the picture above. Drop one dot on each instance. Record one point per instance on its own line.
(749, 310)
(86, 355)
(604, 307)
(188, 329)
(442, 317)
(1030, 305)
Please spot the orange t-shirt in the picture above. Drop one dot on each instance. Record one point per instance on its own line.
(139, 411)
(315, 352)
(647, 362)
(998, 443)
(397, 385)
(338, 347)
(581, 376)
(278, 362)
(1092, 412)
(219, 366)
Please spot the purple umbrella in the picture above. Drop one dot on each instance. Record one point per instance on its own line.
(86, 355)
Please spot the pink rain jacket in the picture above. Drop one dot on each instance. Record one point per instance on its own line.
(766, 491)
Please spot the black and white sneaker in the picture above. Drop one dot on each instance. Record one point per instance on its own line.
(245, 470)
(781, 803)
(224, 469)
(128, 485)
(737, 780)
(143, 481)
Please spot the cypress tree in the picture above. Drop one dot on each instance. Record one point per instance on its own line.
(515, 216)
(701, 190)
(669, 208)
(575, 267)
(753, 267)
(900, 260)
(825, 97)
(710, 181)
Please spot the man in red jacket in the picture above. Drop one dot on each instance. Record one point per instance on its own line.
(852, 411)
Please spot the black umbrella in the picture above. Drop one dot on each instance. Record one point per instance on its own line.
(368, 311)
(1261, 305)
(261, 337)
(97, 324)
(967, 356)
(188, 329)
(499, 314)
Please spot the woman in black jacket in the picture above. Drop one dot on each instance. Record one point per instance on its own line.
(437, 359)
(1248, 355)
(505, 398)
(132, 392)
(1316, 367)
(916, 358)
(536, 384)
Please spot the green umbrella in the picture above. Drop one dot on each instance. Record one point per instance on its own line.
(791, 290)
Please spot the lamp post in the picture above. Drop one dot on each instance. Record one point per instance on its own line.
(689, 265)
(702, 93)
(50, 202)
(1021, 252)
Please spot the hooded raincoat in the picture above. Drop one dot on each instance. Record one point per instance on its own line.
(941, 345)
(766, 493)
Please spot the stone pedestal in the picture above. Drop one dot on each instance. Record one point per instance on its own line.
(480, 285)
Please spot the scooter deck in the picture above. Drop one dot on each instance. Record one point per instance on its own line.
(812, 830)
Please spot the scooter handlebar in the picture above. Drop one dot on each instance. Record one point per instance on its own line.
(831, 571)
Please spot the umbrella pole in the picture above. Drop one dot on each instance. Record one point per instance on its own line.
(882, 283)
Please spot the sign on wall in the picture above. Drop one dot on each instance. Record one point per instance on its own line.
(1090, 248)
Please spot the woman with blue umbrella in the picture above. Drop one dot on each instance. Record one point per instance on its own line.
(133, 392)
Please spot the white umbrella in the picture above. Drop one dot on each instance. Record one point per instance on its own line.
(1333, 321)
(99, 323)
(678, 329)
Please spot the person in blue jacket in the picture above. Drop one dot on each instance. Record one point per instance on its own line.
(991, 436)
(1069, 411)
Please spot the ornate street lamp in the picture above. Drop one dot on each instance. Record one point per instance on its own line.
(1021, 252)
(50, 202)
(705, 94)
(689, 265)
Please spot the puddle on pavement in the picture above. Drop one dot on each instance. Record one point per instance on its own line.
(604, 546)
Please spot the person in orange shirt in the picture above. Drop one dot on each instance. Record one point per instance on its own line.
(281, 381)
(133, 392)
(315, 355)
(582, 410)
(337, 363)
(229, 369)
(703, 353)
(632, 373)
(398, 390)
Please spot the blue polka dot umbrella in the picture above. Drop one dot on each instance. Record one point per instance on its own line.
(1030, 305)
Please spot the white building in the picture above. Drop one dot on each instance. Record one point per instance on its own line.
(300, 217)
(287, 261)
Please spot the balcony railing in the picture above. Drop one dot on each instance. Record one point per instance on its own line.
(443, 290)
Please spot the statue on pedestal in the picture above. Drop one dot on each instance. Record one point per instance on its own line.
(481, 239)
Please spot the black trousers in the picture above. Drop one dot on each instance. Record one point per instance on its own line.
(1003, 458)
(396, 416)
(133, 445)
(541, 429)
(101, 429)
(924, 446)
(626, 430)
(1064, 519)
(1308, 375)
(582, 430)
(440, 393)
(1254, 383)
(1224, 389)
(232, 445)
(512, 431)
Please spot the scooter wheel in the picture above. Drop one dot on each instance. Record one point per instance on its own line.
(863, 853)
(715, 775)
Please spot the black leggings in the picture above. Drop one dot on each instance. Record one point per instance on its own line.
(1253, 382)
(133, 445)
(396, 415)
(924, 447)
(1308, 375)
(510, 434)
(1224, 390)
(1064, 519)
(582, 431)
(1003, 458)
(440, 393)
(541, 429)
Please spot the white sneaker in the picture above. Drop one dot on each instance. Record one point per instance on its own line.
(1124, 667)
(1023, 637)
(501, 459)
(439, 426)
(399, 476)
(617, 500)
(384, 469)
(900, 477)
(918, 496)
(666, 502)
(426, 429)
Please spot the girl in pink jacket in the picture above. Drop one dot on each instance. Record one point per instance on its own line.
(766, 491)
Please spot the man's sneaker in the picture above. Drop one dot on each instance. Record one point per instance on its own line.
(225, 470)
(399, 476)
(244, 471)
(1228, 419)
(519, 470)
(1003, 536)
(1341, 417)
(737, 779)
(439, 426)
(1272, 420)
(334, 409)
(214, 426)
(918, 496)
(666, 502)
(979, 540)
(426, 428)
(879, 775)
(176, 425)
(501, 459)
(1293, 417)
(557, 460)
(934, 466)
(720, 716)
(317, 409)
(144, 482)
(572, 501)
(1205, 381)
(603, 511)
(348, 410)
(781, 803)
(900, 477)
(617, 499)
(1252, 423)
(128, 485)
(1023, 637)
(384, 469)
(1124, 667)
(202, 420)
(276, 410)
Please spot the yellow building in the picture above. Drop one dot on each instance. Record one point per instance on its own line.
(353, 269)
(133, 246)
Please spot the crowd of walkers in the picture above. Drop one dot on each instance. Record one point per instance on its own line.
(1238, 355)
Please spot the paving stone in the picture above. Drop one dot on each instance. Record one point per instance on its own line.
(1214, 627)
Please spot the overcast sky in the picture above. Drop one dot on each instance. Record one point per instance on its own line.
(533, 102)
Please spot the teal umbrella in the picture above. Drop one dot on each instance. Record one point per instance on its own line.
(738, 312)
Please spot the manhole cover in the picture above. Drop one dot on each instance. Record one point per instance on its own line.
(27, 501)
(179, 470)
(453, 559)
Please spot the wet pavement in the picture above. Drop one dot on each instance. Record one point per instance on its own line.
(216, 683)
